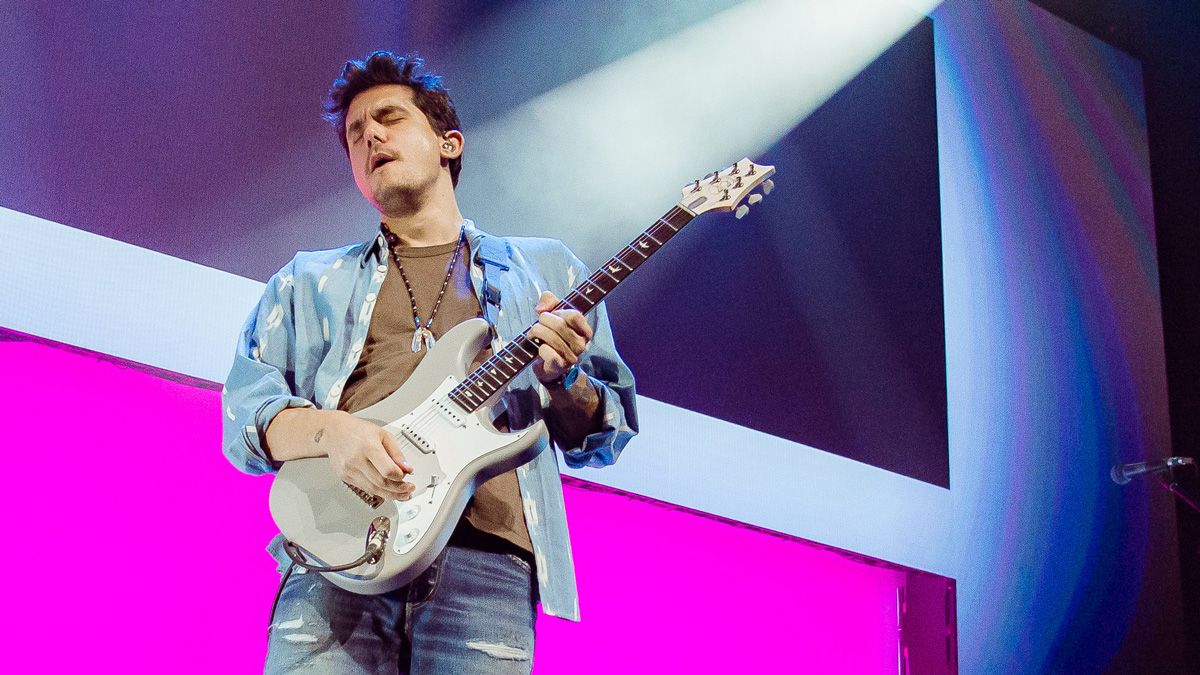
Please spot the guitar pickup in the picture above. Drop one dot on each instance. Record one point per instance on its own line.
(416, 439)
(450, 413)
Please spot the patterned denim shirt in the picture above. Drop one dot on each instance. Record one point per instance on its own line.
(304, 338)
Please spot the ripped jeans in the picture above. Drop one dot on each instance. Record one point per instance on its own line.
(472, 611)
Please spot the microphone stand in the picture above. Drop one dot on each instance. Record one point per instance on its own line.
(1173, 486)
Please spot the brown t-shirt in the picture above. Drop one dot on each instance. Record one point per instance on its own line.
(387, 361)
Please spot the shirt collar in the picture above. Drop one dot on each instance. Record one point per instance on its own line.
(376, 249)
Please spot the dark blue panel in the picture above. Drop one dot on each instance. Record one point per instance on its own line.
(819, 317)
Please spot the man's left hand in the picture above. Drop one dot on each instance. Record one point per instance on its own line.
(564, 335)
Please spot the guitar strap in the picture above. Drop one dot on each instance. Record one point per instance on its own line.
(494, 256)
(493, 253)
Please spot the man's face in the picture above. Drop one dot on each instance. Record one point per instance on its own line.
(395, 154)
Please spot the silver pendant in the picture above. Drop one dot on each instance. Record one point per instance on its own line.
(425, 335)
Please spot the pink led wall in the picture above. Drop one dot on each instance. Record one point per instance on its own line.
(132, 545)
(129, 542)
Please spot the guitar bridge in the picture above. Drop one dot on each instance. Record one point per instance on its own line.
(371, 500)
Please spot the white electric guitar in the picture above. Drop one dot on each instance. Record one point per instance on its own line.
(442, 419)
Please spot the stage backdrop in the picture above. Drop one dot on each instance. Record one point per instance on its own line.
(1053, 342)
(149, 551)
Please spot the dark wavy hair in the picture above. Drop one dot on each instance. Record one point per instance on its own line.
(383, 67)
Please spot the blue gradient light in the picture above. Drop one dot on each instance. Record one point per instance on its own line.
(1054, 348)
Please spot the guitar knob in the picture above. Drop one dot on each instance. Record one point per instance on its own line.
(407, 536)
(408, 513)
(741, 211)
(755, 198)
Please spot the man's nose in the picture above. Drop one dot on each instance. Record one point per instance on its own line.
(375, 134)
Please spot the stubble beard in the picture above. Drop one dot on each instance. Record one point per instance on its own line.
(402, 197)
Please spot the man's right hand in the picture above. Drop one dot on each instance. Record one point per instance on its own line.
(362, 453)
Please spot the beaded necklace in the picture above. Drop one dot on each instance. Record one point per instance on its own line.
(423, 334)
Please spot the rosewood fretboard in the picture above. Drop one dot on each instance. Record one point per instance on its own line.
(495, 373)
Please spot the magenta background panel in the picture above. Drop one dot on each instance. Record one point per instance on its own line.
(669, 591)
(148, 551)
(147, 544)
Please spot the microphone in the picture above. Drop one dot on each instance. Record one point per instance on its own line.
(1123, 473)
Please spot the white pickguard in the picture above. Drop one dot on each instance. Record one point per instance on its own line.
(439, 442)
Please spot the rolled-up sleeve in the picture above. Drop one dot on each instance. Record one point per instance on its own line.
(614, 382)
(261, 382)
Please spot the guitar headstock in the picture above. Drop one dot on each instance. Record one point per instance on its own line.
(729, 190)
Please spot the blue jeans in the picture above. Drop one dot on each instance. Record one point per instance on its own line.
(472, 611)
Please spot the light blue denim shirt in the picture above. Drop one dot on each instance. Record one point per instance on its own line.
(304, 338)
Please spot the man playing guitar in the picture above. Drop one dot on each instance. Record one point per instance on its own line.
(336, 331)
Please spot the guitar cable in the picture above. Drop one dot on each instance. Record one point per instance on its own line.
(377, 536)
(278, 594)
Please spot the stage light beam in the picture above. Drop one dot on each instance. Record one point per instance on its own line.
(613, 146)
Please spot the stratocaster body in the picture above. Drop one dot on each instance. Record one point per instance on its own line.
(451, 452)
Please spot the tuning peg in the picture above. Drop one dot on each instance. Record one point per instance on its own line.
(741, 211)
(767, 186)
(754, 198)
(716, 177)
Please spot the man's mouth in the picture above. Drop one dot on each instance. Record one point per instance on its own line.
(379, 161)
